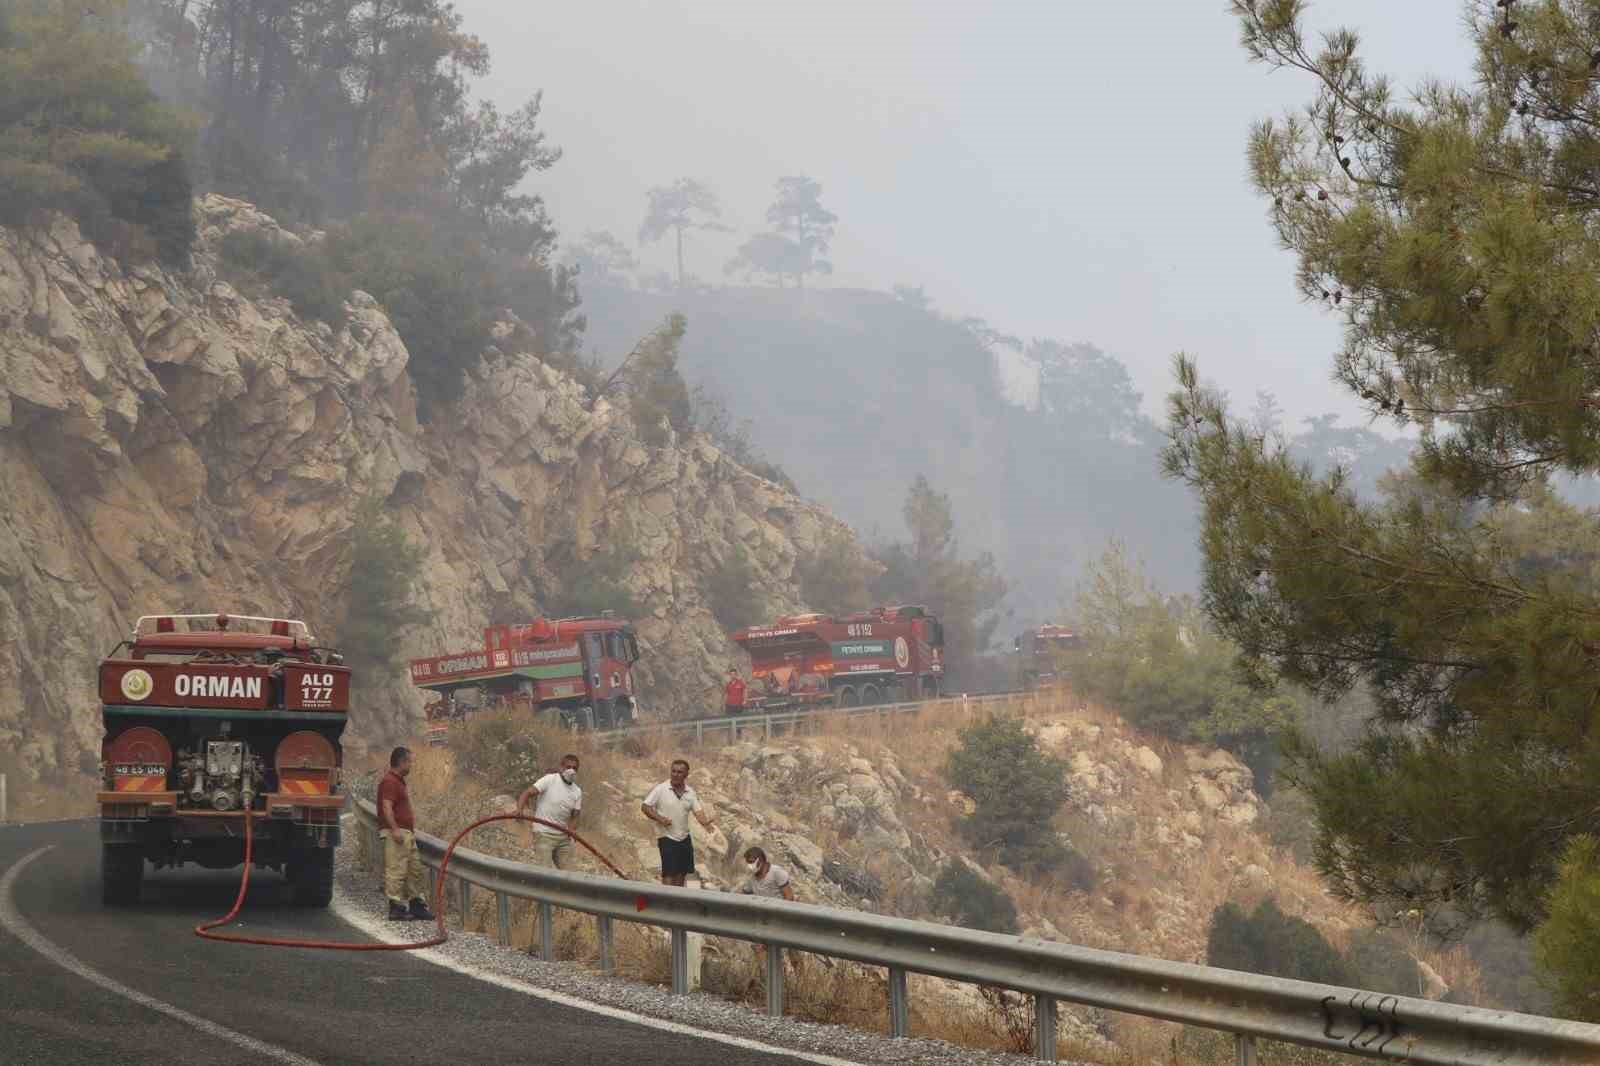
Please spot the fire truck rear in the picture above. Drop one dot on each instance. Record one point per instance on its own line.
(209, 716)
(1045, 655)
(878, 656)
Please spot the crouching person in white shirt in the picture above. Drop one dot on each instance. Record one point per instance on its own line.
(766, 879)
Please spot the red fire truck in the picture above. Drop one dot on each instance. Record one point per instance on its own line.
(1045, 654)
(578, 668)
(883, 655)
(207, 716)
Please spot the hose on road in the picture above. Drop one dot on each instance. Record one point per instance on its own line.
(204, 929)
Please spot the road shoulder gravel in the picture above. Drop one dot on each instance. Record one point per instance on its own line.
(356, 895)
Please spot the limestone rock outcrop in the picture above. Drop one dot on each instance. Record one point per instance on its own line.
(167, 443)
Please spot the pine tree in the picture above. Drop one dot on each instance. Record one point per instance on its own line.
(798, 214)
(1455, 237)
(80, 131)
(684, 205)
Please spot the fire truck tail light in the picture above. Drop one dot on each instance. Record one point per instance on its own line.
(164, 625)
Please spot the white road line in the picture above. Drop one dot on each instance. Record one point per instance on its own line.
(13, 922)
(379, 930)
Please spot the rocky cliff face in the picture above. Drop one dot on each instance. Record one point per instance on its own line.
(168, 444)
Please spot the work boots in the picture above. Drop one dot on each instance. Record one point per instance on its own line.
(420, 911)
(398, 912)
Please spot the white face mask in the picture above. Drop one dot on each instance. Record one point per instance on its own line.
(569, 776)
(753, 866)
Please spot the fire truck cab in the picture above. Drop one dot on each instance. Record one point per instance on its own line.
(579, 669)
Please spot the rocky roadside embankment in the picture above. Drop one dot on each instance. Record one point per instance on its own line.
(863, 817)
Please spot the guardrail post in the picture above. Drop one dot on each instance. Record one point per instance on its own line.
(464, 890)
(502, 910)
(899, 1014)
(1044, 1028)
(767, 721)
(603, 929)
(1244, 1049)
(775, 980)
(680, 962)
(547, 932)
(733, 731)
(699, 732)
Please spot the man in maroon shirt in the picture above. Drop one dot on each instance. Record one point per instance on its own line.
(403, 879)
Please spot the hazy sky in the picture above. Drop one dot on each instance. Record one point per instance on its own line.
(1058, 167)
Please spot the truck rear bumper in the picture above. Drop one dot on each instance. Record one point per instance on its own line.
(289, 822)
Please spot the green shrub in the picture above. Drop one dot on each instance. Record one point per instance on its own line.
(255, 261)
(835, 578)
(1017, 789)
(971, 901)
(1270, 942)
(596, 584)
(1379, 961)
(731, 592)
(381, 593)
(1567, 943)
(1291, 824)
(499, 750)
(438, 289)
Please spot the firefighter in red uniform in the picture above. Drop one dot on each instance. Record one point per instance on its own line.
(733, 695)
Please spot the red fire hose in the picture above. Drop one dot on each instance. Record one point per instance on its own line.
(204, 929)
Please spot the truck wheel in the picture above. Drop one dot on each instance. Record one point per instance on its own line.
(624, 715)
(847, 697)
(871, 695)
(311, 878)
(583, 718)
(121, 873)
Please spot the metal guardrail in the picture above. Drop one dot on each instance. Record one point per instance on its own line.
(1250, 1006)
(765, 723)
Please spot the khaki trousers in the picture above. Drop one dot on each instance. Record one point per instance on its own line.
(551, 850)
(403, 876)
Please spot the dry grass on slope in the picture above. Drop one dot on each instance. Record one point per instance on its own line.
(1173, 831)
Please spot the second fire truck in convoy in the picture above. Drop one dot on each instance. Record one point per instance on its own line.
(580, 669)
(1045, 654)
(884, 655)
(206, 717)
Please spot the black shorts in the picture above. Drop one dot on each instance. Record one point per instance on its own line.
(677, 856)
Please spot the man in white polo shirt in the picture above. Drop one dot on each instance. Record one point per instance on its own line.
(668, 805)
(559, 799)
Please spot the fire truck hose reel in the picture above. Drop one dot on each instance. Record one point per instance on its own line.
(205, 929)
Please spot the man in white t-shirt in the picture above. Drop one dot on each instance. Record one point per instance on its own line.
(772, 882)
(558, 800)
(669, 805)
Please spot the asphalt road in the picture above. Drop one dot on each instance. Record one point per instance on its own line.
(203, 1003)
